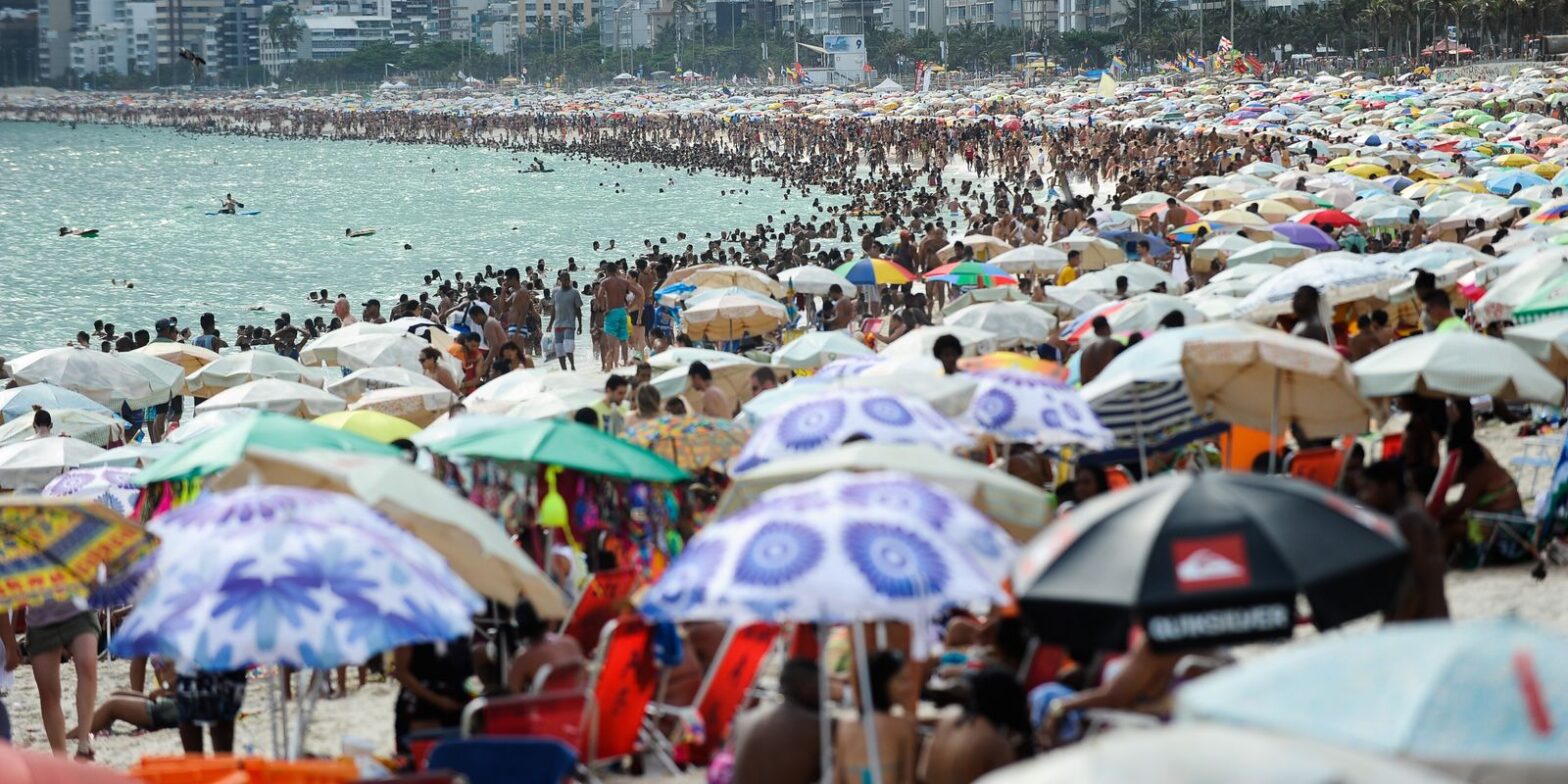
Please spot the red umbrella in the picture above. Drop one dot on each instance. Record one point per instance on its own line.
(31, 767)
(1325, 219)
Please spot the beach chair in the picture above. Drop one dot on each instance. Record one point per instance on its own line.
(600, 602)
(565, 678)
(723, 690)
(604, 722)
(1321, 465)
(506, 760)
(1539, 454)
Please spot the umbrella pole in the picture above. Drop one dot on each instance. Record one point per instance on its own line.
(318, 680)
(824, 705)
(1274, 426)
(868, 716)
(1137, 424)
(272, 713)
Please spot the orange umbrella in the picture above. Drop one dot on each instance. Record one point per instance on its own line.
(31, 767)
(1011, 360)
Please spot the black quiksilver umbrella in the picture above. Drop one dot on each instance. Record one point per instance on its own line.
(1206, 559)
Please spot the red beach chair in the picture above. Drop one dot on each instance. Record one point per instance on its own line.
(601, 602)
(724, 688)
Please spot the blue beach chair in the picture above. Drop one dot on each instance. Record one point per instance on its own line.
(506, 760)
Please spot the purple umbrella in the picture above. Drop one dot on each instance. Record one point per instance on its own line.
(1307, 235)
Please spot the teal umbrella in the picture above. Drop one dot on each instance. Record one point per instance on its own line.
(215, 451)
(567, 444)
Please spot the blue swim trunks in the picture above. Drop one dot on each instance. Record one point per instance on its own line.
(616, 325)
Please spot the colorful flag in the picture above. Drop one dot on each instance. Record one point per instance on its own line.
(1107, 86)
(1224, 44)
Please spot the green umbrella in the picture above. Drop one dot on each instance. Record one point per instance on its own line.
(568, 444)
(1550, 300)
(215, 451)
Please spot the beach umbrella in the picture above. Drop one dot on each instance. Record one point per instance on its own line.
(1551, 300)
(984, 247)
(1066, 301)
(1147, 199)
(98, 429)
(1097, 252)
(1114, 220)
(377, 426)
(731, 316)
(1013, 406)
(1144, 312)
(567, 444)
(279, 397)
(1140, 278)
(918, 377)
(840, 548)
(1325, 219)
(1220, 244)
(1206, 559)
(244, 367)
(875, 272)
(971, 273)
(197, 426)
(1338, 277)
(448, 427)
(1281, 254)
(1267, 380)
(58, 548)
(919, 341)
(133, 455)
(113, 488)
(694, 443)
(993, 294)
(680, 356)
(815, 349)
(1531, 270)
(20, 766)
(382, 350)
(1269, 210)
(1214, 198)
(1031, 259)
(815, 280)
(188, 357)
(324, 350)
(418, 405)
(734, 377)
(107, 379)
(830, 416)
(1546, 342)
(1019, 507)
(357, 383)
(505, 391)
(267, 575)
(1209, 754)
(222, 447)
(19, 402)
(1475, 699)
(1440, 364)
(467, 537)
(730, 276)
(1238, 217)
(558, 404)
(1011, 323)
(1307, 235)
(1012, 360)
(30, 464)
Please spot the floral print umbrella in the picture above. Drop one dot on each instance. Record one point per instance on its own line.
(841, 548)
(691, 442)
(835, 416)
(1023, 407)
(110, 486)
(305, 578)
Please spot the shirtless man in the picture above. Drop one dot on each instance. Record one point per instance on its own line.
(642, 317)
(519, 309)
(1099, 353)
(492, 333)
(542, 649)
(760, 733)
(615, 294)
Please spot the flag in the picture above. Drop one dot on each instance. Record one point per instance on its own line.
(1117, 64)
(865, 67)
(1224, 44)
(1107, 86)
(1255, 64)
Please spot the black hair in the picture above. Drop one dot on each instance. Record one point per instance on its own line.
(884, 667)
(586, 416)
(41, 418)
(946, 344)
(529, 625)
(615, 382)
(994, 695)
(700, 370)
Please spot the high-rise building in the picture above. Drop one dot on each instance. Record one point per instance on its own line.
(54, 38)
(558, 15)
(19, 41)
(913, 16)
(182, 24)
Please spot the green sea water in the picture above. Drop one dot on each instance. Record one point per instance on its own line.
(148, 191)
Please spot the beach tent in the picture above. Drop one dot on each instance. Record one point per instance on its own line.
(888, 86)
(625, 77)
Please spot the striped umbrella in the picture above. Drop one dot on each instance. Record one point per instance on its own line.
(873, 271)
(972, 273)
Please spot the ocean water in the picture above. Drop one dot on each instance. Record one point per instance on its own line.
(148, 191)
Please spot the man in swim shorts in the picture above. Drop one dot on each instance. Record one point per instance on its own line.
(566, 317)
(616, 292)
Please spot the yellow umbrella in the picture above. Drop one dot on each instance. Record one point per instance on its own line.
(189, 358)
(1515, 160)
(1342, 163)
(1275, 210)
(1546, 169)
(1213, 198)
(1470, 184)
(1236, 216)
(373, 425)
(1418, 174)
(1367, 171)
(472, 542)
(1423, 189)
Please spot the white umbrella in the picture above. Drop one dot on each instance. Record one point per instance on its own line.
(815, 349)
(280, 397)
(1456, 363)
(735, 277)
(1282, 254)
(1339, 278)
(133, 455)
(1011, 323)
(1537, 265)
(918, 341)
(324, 350)
(1200, 753)
(29, 465)
(1031, 259)
(685, 355)
(166, 378)
(372, 350)
(1546, 342)
(1218, 244)
(732, 316)
(561, 403)
(233, 370)
(985, 247)
(351, 386)
(815, 280)
(94, 427)
(1068, 301)
(1144, 312)
(206, 422)
(1098, 253)
(190, 358)
(501, 393)
(105, 378)
(1140, 278)
(419, 405)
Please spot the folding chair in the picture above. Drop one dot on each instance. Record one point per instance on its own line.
(566, 678)
(1321, 465)
(506, 760)
(724, 687)
(600, 602)
(1540, 454)
(1513, 527)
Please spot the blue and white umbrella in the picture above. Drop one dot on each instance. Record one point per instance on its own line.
(841, 548)
(1022, 407)
(1477, 697)
(841, 413)
(110, 486)
(304, 578)
(19, 401)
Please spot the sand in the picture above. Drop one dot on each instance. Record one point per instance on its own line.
(367, 712)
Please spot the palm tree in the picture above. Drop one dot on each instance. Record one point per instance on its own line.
(283, 28)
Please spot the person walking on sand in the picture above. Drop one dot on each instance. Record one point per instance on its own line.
(566, 319)
(615, 294)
